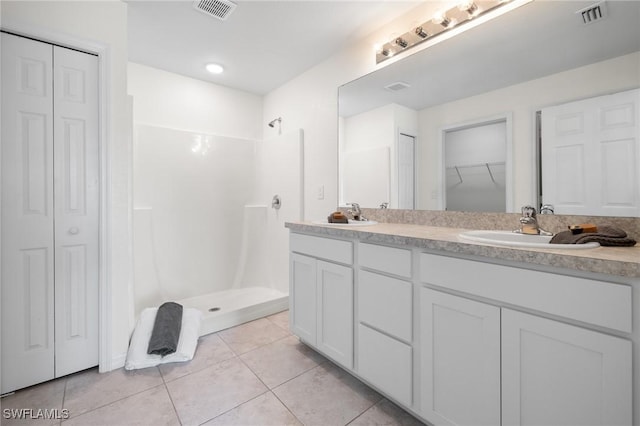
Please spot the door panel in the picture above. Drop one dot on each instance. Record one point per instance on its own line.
(27, 213)
(559, 374)
(406, 171)
(302, 290)
(460, 360)
(76, 209)
(590, 155)
(335, 311)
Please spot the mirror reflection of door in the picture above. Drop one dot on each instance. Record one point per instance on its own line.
(475, 167)
(591, 155)
(406, 171)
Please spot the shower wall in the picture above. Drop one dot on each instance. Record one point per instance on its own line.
(189, 193)
(280, 172)
(203, 220)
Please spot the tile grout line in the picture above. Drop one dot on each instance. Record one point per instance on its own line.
(166, 388)
(234, 355)
(115, 400)
(64, 397)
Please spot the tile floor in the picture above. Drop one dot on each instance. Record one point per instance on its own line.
(257, 373)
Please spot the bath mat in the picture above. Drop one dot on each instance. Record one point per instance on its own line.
(137, 356)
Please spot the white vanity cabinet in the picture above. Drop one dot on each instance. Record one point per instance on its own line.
(548, 372)
(385, 332)
(321, 290)
(463, 339)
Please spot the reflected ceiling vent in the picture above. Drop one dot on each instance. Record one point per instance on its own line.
(398, 85)
(595, 12)
(220, 9)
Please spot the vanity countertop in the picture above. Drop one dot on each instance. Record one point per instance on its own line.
(619, 261)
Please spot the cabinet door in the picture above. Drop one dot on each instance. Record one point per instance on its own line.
(460, 360)
(335, 311)
(302, 291)
(558, 374)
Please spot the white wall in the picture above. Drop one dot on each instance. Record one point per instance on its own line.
(522, 100)
(190, 190)
(104, 25)
(310, 102)
(170, 100)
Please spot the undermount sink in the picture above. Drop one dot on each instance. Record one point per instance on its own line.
(351, 223)
(514, 239)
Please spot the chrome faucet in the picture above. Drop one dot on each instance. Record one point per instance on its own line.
(529, 222)
(546, 209)
(355, 212)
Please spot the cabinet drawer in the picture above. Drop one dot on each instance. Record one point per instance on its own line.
(324, 248)
(385, 259)
(591, 301)
(385, 363)
(385, 303)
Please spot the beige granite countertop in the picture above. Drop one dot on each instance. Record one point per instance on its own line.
(619, 261)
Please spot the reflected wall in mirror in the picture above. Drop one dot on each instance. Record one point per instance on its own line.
(505, 67)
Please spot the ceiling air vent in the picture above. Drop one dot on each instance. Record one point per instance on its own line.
(398, 85)
(220, 9)
(593, 13)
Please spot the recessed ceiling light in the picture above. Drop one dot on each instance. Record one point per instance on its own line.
(215, 68)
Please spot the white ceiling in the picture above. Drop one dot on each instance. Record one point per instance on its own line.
(261, 45)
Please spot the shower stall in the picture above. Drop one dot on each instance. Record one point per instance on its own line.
(206, 233)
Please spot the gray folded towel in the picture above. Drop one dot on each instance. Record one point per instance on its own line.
(166, 329)
(606, 236)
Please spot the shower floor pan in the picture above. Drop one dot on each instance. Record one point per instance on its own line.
(228, 308)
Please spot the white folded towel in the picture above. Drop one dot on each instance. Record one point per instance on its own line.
(137, 356)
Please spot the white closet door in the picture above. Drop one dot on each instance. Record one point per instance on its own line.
(50, 216)
(590, 155)
(27, 213)
(76, 189)
(406, 171)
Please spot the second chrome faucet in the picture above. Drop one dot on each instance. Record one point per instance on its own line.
(529, 222)
(355, 212)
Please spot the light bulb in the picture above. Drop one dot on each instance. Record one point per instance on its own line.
(215, 68)
(441, 19)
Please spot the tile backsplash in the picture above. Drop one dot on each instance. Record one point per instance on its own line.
(498, 221)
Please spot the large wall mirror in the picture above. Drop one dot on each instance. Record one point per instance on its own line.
(459, 125)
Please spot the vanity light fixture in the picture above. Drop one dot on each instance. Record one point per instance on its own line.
(464, 12)
(470, 7)
(420, 32)
(215, 68)
(401, 42)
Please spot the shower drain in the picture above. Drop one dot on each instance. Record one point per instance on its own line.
(214, 309)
